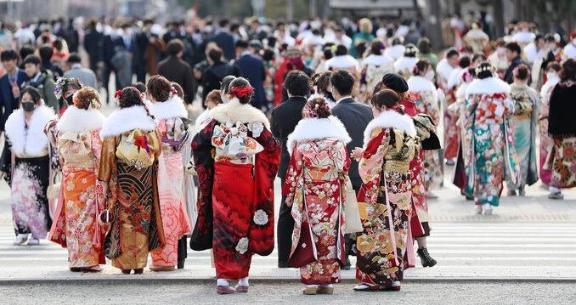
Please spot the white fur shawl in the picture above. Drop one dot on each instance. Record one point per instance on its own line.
(313, 129)
(126, 119)
(390, 119)
(80, 120)
(172, 108)
(234, 112)
(34, 143)
(489, 85)
(405, 64)
(420, 84)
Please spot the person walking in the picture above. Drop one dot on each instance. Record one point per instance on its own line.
(177, 70)
(526, 102)
(76, 225)
(355, 117)
(26, 165)
(170, 114)
(561, 127)
(546, 143)
(235, 219)
(314, 189)
(76, 70)
(285, 117)
(10, 85)
(128, 180)
(384, 165)
(486, 149)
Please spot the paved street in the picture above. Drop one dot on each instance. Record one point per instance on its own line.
(529, 238)
(479, 293)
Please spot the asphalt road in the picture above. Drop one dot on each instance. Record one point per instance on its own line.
(446, 293)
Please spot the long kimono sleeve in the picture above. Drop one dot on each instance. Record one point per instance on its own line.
(107, 159)
(261, 234)
(204, 165)
(370, 165)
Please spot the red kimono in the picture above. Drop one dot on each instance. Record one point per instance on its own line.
(236, 165)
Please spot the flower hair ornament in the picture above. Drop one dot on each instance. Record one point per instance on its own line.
(483, 68)
(242, 91)
(118, 94)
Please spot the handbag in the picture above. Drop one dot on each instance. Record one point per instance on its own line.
(353, 222)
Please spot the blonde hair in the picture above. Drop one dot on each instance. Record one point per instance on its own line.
(86, 98)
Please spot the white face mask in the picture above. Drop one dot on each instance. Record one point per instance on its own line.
(429, 75)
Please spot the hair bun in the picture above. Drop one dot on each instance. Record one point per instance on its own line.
(317, 107)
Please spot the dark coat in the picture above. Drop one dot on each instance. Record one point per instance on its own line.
(177, 70)
(355, 117)
(509, 76)
(285, 117)
(93, 41)
(225, 41)
(252, 68)
(213, 76)
(8, 102)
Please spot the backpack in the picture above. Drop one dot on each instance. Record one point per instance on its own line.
(134, 150)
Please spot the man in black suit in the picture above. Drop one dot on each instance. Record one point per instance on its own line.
(285, 117)
(225, 40)
(355, 117)
(10, 85)
(513, 53)
(177, 70)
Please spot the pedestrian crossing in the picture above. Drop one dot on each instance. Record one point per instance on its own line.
(463, 250)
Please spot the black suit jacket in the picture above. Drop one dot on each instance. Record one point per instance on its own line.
(177, 70)
(285, 117)
(355, 117)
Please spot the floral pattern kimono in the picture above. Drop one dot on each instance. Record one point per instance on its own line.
(424, 95)
(236, 158)
(173, 133)
(314, 188)
(562, 157)
(76, 225)
(129, 185)
(526, 104)
(488, 150)
(385, 198)
(546, 141)
(26, 160)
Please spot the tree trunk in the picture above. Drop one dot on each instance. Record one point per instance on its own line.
(499, 17)
(435, 24)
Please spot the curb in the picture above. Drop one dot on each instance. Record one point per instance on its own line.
(175, 281)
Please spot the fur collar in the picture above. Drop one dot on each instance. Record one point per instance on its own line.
(35, 142)
(390, 119)
(234, 112)
(420, 84)
(80, 120)
(126, 119)
(489, 85)
(405, 63)
(314, 129)
(172, 108)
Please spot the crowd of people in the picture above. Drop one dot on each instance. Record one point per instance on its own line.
(357, 122)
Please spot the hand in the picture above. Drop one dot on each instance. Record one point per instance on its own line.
(357, 153)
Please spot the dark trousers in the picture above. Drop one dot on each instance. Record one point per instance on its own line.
(285, 228)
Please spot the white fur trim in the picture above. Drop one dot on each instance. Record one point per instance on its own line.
(126, 119)
(420, 84)
(405, 63)
(489, 85)
(34, 143)
(444, 69)
(80, 120)
(569, 51)
(172, 108)
(390, 119)
(314, 129)
(378, 60)
(234, 112)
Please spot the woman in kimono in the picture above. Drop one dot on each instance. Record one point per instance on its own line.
(546, 143)
(236, 158)
(128, 180)
(561, 127)
(170, 114)
(405, 64)
(424, 94)
(526, 104)
(487, 148)
(76, 225)
(384, 200)
(425, 129)
(26, 164)
(314, 188)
